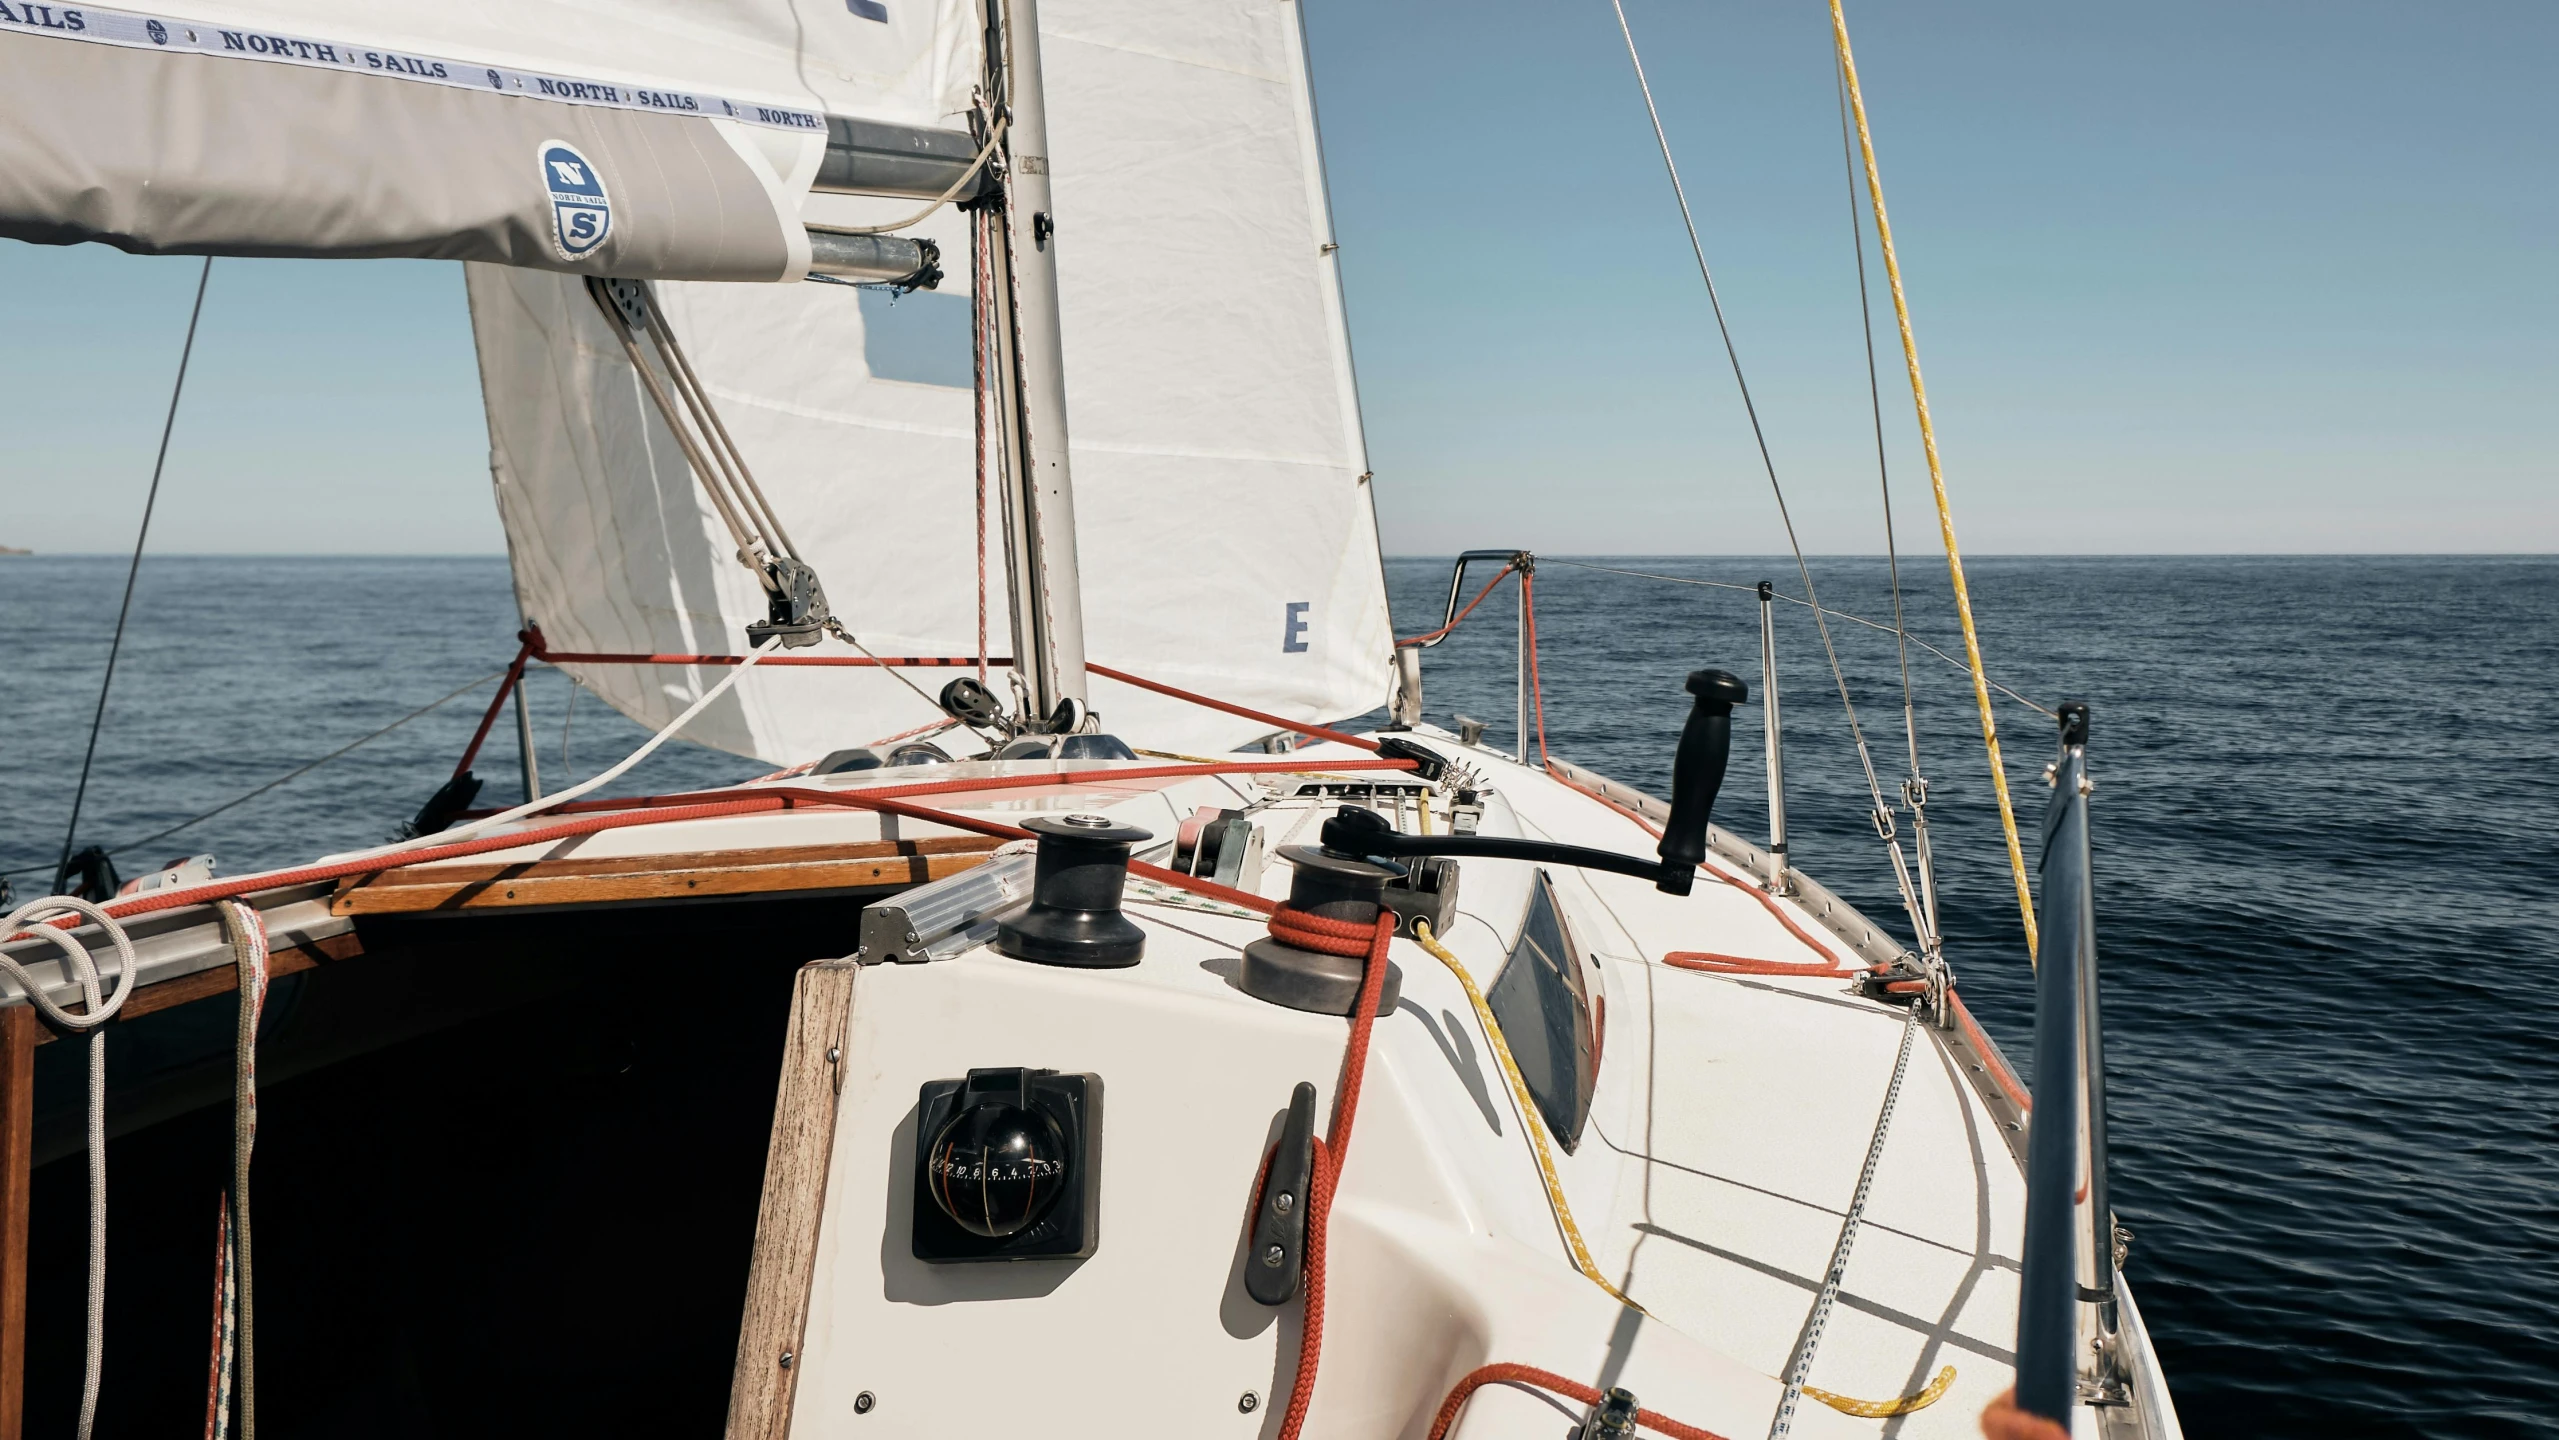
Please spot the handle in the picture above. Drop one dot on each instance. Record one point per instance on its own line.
(1705, 746)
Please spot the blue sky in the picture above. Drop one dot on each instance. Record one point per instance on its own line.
(2186, 276)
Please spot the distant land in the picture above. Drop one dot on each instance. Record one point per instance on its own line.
(14, 550)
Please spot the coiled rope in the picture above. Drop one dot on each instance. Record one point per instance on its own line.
(36, 919)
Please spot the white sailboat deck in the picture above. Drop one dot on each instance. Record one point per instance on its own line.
(1730, 1120)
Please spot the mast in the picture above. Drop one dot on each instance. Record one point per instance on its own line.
(1038, 494)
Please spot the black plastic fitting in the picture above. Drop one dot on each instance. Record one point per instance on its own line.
(1697, 774)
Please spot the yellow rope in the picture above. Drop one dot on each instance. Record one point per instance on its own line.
(1528, 1113)
(1582, 1261)
(1885, 1409)
(1937, 482)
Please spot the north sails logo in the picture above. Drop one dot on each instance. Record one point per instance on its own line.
(581, 213)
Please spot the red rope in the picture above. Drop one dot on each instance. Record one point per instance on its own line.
(1714, 964)
(981, 289)
(1462, 614)
(514, 674)
(1313, 932)
(1333, 1148)
(666, 809)
(977, 783)
(585, 657)
(1298, 726)
(1549, 1381)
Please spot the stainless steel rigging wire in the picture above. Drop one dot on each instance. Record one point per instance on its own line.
(1882, 813)
(151, 501)
(1914, 791)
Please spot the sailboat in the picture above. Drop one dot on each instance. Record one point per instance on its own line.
(1029, 538)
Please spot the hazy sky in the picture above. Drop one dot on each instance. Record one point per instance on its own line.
(2187, 277)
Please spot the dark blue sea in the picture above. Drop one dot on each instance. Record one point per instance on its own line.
(2325, 842)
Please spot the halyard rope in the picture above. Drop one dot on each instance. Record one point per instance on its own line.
(1936, 477)
(33, 920)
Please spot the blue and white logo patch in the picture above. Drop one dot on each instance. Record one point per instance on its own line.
(581, 213)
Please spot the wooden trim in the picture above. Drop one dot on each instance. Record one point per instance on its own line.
(868, 865)
(786, 1224)
(18, 1032)
(220, 980)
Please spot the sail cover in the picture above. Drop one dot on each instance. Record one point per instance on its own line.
(643, 138)
(1225, 537)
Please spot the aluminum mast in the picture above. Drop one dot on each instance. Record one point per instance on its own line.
(1039, 496)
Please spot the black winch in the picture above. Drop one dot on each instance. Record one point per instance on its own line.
(1074, 916)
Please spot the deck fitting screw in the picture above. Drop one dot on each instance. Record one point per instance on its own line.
(1283, 1202)
(787, 1358)
(1273, 1256)
(1248, 1404)
(863, 1402)
(910, 937)
(834, 1053)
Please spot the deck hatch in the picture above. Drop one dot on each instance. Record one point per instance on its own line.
(1543, 1004)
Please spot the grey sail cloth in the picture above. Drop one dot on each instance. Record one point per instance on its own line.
(160, 153)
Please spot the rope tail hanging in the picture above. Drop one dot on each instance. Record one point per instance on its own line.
(1936, 478)
(235, 1369)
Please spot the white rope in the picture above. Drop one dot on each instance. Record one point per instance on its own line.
(248, 935)
(985, 153)
(583, 787)
(30, 921)
(1803, 1366)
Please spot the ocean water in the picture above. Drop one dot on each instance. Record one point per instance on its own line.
(2326, 867)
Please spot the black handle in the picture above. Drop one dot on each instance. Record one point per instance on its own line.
(1358, 833)
(1705, 747)
(1278, 1256)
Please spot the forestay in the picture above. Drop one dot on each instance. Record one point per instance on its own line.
(667, 138)
(1226, 540)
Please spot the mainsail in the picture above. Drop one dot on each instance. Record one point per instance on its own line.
(646, 138)
(1226, 540)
